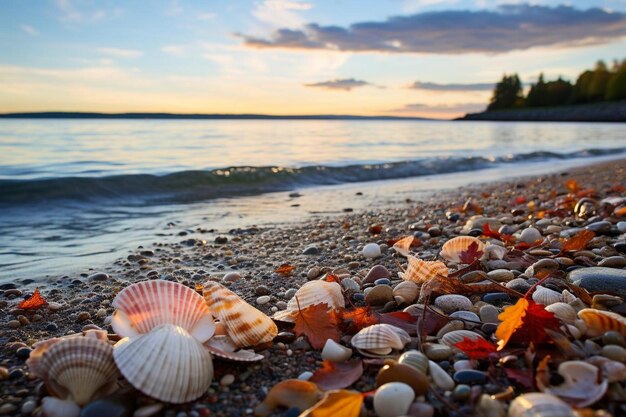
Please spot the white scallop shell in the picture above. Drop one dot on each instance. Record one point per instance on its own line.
(312, 293)
(581, 387)
(80, 369)
(452, 249)
(546, 296)
(563, 312)
(408, 290)
(456, 336)
(600, 321)
(536, 404)
(245, 325)
(568, 297)
(420, 271)
(225, 348)
(416, 359)
(380, 339)
(146, 305)
(167, 363)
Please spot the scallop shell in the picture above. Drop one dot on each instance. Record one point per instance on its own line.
(311, 293)
(599, 321)
(495, 251)
(563, 312)
(146, 305)
(420, 271)
(416, 359)
(225, 348)
(289, 393)
(80, 369)
(546, 296)
(245, 325)
(456, 336)
(167, 363)
(537, 404)
(568, 297)
(380, 339)
(452, 249)
(580, 387)
(407, 290)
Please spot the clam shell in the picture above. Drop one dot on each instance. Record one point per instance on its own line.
(335, 352)
(380, 339)
(311, 293)
(408, 290)
(223, 347)
(536, 404)
(420, 271)
(245, 325)
(599, 321)
(416, 359)
(451, 250)
(456, 336)
(563, 312)
(289, 393)
(580, 387)
(546, 296)
(167, 363)
(146, 305)
(80, 369)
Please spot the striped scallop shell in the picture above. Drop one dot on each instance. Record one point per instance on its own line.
(563, 312)
(420, 271)
(380, 339)
(456, 336)
(452, 249)
(146, 305)
(416, 359)
(536, 404)
(167, 363)
(600, 321)
(546, 296)
(80, 369)
(317, 292)
(245, 325)
(225, 348)
(407, 290)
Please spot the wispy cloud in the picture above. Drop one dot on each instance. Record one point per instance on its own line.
(71, 12)
(440, 108)
(120, 52)
(506, 28)
(176, 50)
(206, 16)
(346, 84)
(419, 85)
(281, 13)
(29, 30)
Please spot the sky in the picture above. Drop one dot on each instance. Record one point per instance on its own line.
(430, 58)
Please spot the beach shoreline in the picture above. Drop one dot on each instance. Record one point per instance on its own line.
(249, 258)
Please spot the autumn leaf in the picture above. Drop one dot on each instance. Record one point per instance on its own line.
(524, 377)
(337, 403)
(375, 229)
(512, 318)
(332, 278)
(525, 322)
(337, 375)
(476, 348)
(471, 254)
(35, 301)
(520, 199)
(572, 185)
(357, 319)
(318, 323)
(400, 319)
(403, 245)
(490, 233)
(285, 269)
(578, 241)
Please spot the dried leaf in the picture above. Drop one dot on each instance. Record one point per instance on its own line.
(285, 269)
(520, 199)
(337, 375)
(337, 403)
(476, 348)
(512, 319)
(318, 323)
(524, 377)
(572, 185)
(332, 278)
(399, 319)
(403, 245)
(525, 322)
(471, 254)
(430, 322)
(579, 241)
(490, 233)
(375, 229)
(35, 301)
(357, 319)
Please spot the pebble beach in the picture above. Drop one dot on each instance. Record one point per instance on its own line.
(529, 220)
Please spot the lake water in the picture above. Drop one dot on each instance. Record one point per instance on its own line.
(80, 193)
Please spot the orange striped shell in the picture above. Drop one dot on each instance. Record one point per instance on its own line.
(600, 321)
(420, 271)
(452, 249)
(245, 325)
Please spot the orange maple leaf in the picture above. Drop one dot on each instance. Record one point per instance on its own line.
(318, 323)
(512, 319)
(35, 301)
(337, 403)
(476, 348)
(357, 319)
(526, 321)
(579, 241)
(285, 269)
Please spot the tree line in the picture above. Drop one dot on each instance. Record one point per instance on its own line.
(600, 84)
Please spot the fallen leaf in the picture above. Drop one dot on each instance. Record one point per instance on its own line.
(403, 245)
(400, 319)
(476, 348)
(357, 319)
(375, 229)
(490, 233)
(471, 254)
(318, 323)
(572, 185)
(430, 322)
(337, 403)
(578, 241)
(332, 278)
(520, 199)
(524, 377)
(285, 269)
(525, 322)
(512, 319)
(35, 301)
(337, 375)
(542, 375)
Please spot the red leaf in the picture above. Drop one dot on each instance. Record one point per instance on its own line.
(35, 301)
(579, 241)
(535, 322)
(400, 319)
(471, 254)
(337, 375)
(318, 323)
(332, 278)
(285, 269)
(524, 377)
(520, 199)
(490, 233)
(375, 229)
(357, 319)
(476, 348)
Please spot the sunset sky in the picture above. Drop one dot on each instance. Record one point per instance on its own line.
(432, 58)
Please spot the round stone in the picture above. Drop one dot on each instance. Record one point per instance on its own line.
(600, 279)
(613, 262)
(231, 277)
(108, 407)
(23, 353)
(262, 290)
(450, 303)
(437, 352)
(382, 281)
(461, 392)
(264, 299)
(376, 272)
(470, 377)
(621, 227)
(501, 275)
(489, 314)
(311, 250)
(371, 251)
(496, 297)
(600, 227)
(98, 276)
(379, 295)
(227, 380)
(530, 235)
(613, 338)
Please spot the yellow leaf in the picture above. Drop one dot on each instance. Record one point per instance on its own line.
(512, 319)
(337, 403)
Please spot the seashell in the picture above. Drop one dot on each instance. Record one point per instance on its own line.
(420, 271)
(335, 352)
(403, 246)
(613, 371)
(416, 359)
(393, 371)
(311, 293)
(599, 321)
(289, 393)
(350, 285)
(380, 339)
(80, 369)
(407, 290)
(167, 363)
(456, 336)
(223, 347)
(245, 325)
(568, 297)
(573, 330)
(563, 312)
(452, 249)
(537, 404)
(146, 305)
(54, 407)
(489, 407)
(580, 387)
(494, 252)
(440, 377)
(545, 296)
(393, 399)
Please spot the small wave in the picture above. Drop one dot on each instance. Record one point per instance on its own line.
(188, 186)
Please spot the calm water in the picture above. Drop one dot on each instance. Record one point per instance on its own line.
(80, 193)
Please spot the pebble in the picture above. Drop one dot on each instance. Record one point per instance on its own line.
(440, 377)
(530, 235)
(13, 324)
(51, 327)
(545, 264)
(305, 376)
(462, 364)
(461, 392)
(290, 293)
(382, 281)
(613, 262)
(496, 297)
(371, 251)
(601, 227)
(518, 284)
(621, 227)
(600, 279)
(615, 352)
(311, 250)
(393, 399)
(453, 302)
(264, 299)
(83, 316)
(227, 379)
(397, 372)
(7, 408)
(437, 352)
(231, 277)
(4, 373)
(470, 377)
(108, 407)
(23, 320)
(379, 295)
(376, 272)
(489, 314)
(313, 273)
(99, 276)
(28, 407)
(16, 374)
(262, 290)
(23, 353)
(613, 338)
(148, 410)
(501, 275)
(466, 315)
(101, 313)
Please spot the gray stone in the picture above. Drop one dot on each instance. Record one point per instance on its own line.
(98, 276)
(598, 279)
(311, 250)
(601, 227)
(530, 235)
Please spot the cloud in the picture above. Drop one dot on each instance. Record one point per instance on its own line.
(176, 50)
(206, 16)
(120, 53)
(29, 30)
(346, 84)
(441, 108)
(506, 28)
(71, 12)
(419, 85)
(281, 13)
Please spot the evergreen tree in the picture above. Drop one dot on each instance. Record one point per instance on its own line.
(507, 93)
(536, 95)
(616, 89)
(599, 82)
(581, 88)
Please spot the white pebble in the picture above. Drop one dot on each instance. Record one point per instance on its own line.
(530, 235)
(393, 399)
(450, 303)
(371, 251)
(305, 376)
(264, 299)
(148, 410)
(227, 380)
(621, 226)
